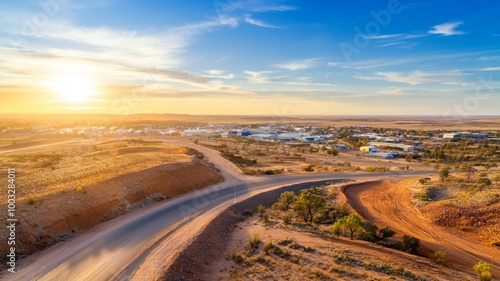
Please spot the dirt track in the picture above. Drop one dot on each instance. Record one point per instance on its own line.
(388, 204)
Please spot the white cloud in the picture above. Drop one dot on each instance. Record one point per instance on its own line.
(331, 63)
(299, 64)
(257, 6)
(447, 29)
(390, 44)
(385, 36)
(391, 91)
(452, 77)
(495, 68)
(214, 73)
(255, 22)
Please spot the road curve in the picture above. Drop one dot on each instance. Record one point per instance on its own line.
(138, 245)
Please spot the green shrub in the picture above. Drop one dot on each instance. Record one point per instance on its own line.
(287, 218)
(30, 200)
(410, 244)
(253, 243)
(261, 210)
(269, 246)
(483, 270)
(439, 257)
(367, 236)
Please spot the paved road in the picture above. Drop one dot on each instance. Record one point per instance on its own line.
(138, 245)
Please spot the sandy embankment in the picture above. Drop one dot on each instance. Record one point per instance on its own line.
(54, 218)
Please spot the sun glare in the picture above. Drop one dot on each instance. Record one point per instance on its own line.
(72, 88)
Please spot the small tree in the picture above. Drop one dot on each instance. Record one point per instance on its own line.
(196, 141)
(351, 224)
(483, 270)
(444, 173)
(308, 204)
(411, 244)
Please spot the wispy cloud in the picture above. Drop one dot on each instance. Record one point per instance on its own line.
(257, 6)
(255, 22)
(266, 77)
(494, 68)
(390, 44)
(298, 64)
(392, 91)
(243, 10)
(447, 29)
(214, 73)
(452, 77)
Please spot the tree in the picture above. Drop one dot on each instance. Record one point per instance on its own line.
(483, 270)
(411, 244)
(196, 141)
(308, 205)
(444, 173)
(351, 224)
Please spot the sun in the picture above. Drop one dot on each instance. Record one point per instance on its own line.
(72, 88)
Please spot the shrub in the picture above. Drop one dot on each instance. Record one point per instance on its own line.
(253, 243)
(485, 181)
(410, 244)
(238, 259)
(424, 180)
(367, 236)
(30, 200)
(439, 257)
(269, 245)
(309, 168)
(287, 218)
(483, 270)
(386, 232)
(261, 210)
(286, 242)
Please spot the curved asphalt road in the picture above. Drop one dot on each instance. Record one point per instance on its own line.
(139, 245)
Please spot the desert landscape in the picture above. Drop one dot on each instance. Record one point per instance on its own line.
(444, 196)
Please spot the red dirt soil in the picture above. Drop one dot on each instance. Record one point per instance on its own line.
(389, 204)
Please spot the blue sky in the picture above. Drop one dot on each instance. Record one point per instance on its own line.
(251, 57)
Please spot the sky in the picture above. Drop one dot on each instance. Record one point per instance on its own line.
(256, 57)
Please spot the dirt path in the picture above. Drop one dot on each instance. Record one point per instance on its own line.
(388, 204)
